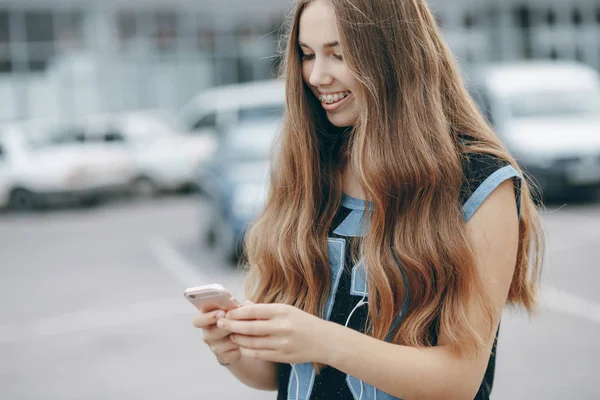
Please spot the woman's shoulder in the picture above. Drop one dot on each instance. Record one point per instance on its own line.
(482, 174)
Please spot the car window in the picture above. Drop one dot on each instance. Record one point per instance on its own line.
(555, 104)
(249, 141)
(114, 136)
(207, 121)
(52, 136)
(260, 113)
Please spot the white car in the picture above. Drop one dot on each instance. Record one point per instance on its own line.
(215, 110)
(37, 170)
(164, 158)
(548, 115)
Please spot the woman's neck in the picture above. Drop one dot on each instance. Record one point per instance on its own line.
(350, 183)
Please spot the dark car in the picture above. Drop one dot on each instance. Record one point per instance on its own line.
(234, 185)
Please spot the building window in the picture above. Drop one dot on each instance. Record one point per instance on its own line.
(69, 30)
(39, 26)
(576, 17)
(551, 17)
(127, 29)
(5, 58)
(165, 31)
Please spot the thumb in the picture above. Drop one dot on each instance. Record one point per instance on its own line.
(247, 303)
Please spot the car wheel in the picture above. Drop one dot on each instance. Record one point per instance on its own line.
(23, 200)
(144, 187)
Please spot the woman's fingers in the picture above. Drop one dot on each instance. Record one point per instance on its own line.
(253, 328)
(213, 333)
(223, 346)
(256, 342)
(207, 319)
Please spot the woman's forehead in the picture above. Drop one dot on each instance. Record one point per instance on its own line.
(317, 25)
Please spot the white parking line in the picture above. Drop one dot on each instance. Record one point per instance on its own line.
(166, 256)
(175, 264)
(95, 319)
(566, 303)
(172, 261)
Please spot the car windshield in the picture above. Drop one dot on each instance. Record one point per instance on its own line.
(151, 124)
(250, 141)
(260, 113)
(555, 104)
(42, 136)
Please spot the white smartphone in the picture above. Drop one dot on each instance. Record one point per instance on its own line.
(209, 298)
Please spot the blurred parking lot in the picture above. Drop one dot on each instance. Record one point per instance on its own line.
(91, 307)
(134, 145)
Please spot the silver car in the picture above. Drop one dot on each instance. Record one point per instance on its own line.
(548, 115)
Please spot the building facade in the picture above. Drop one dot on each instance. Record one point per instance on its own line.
(74, 57)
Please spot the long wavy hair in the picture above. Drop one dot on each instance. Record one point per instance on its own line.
(406, 149)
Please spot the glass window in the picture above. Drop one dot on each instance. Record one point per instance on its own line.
(126, 26)
(114, 136)
(205, 40)
(260, 113)
(555, 104)
(250, 141)
(39, 26)
(207, 121)
(5, 57)
(165, 32)
(69, 30)
(40, 34)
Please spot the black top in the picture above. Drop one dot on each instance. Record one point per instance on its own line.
(331, 383)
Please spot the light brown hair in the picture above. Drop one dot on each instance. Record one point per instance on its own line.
(406, 149)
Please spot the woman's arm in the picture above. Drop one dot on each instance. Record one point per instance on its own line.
(258, 374)
(439, 372)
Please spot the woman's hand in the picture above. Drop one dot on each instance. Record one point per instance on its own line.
(277, 332)
(217, 339)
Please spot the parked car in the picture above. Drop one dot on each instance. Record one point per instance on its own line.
(235, 184)
(165, 159)
(37, 169)
(548, 115)
(213, 110)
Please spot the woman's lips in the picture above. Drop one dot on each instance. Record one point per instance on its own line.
(336, 105)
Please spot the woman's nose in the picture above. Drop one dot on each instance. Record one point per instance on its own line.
(320, 74)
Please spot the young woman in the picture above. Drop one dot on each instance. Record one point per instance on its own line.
(397, 225)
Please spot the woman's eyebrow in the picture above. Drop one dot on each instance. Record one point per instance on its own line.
(326, 45)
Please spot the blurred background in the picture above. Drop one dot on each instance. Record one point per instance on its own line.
(134, 142)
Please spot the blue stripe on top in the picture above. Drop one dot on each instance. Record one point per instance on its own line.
(486, 188)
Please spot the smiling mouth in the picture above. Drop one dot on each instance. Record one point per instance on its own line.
(333, 98)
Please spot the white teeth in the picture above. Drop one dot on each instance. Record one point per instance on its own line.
(333, 98)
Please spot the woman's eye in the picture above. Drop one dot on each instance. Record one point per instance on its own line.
(308, 56)
(338, 57)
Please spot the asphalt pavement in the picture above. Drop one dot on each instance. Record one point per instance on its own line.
(91, 307)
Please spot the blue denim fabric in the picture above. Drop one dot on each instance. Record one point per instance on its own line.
(302, 387)
(486, 188)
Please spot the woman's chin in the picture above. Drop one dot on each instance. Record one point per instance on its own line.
(341, 121)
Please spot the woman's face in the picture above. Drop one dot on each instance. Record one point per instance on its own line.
(323, 66)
